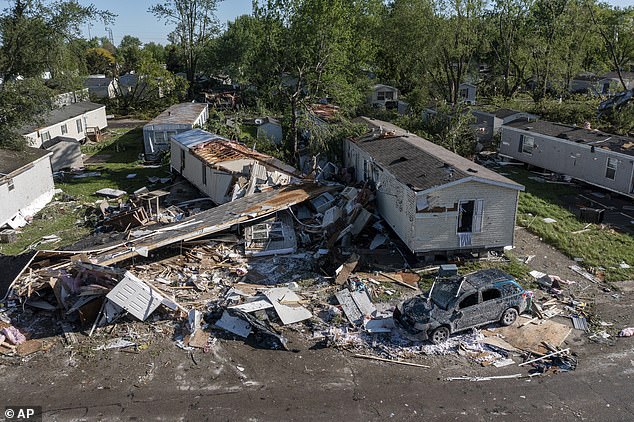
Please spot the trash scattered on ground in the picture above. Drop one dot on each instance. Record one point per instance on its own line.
(626, 332)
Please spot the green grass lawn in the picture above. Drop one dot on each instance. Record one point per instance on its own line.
(66, 219)
(599, 247)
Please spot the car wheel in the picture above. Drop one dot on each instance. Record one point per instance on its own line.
(439, 335)
(509, 316)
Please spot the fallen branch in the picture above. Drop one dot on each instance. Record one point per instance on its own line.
(390, 360)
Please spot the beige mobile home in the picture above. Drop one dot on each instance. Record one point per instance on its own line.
(437, 202)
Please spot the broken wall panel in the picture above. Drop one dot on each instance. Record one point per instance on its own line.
(135, 296)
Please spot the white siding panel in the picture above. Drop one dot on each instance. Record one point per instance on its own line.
(32, 190)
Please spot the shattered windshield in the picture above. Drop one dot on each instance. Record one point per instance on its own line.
(443, 292)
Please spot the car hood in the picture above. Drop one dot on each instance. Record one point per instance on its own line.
(418, 310)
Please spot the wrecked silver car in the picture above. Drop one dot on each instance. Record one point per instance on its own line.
(462, 302)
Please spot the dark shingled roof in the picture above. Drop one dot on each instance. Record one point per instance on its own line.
(596, 138)
(10, 160)
(419, 163)
(97, 82)
(62, 114)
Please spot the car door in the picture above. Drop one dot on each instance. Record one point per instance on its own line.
(492, 304)
(467, 311)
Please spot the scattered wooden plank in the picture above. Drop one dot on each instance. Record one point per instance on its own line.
(530, 337)
(399, 282)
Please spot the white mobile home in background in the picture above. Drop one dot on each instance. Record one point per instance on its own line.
(177, 119)
(594, 157)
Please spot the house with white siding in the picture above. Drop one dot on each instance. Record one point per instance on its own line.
(71, 121)
(266, 129)
(591, 156)
(437, 202)
(26, 184)
(610, 83)
(176, 119)
(382, 96)
(226, 170)
(467, 93)
(100, 86)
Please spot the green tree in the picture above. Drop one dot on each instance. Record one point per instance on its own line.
(510, 48)
(616, 27)
(129, 53)
(157, 51)
(196, 24)
(151, 81)
(99, 60)
(459, 39)
(35, 34)
(21, 103)
(312, 51)
(405, 57)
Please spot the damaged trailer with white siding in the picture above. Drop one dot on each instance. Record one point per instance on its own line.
(226, 170)
(437, 202)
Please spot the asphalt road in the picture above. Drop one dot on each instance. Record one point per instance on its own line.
(237, 382)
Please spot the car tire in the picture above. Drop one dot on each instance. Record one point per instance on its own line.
(509, 317)
(439, 335)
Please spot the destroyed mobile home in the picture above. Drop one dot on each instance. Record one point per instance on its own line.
(226, 170)
(278, 260)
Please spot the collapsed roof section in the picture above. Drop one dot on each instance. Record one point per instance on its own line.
(223, 217)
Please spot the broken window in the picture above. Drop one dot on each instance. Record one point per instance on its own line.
(610, 171)
(470, 300)
(491, 294)
(470, 216)
(527, 144)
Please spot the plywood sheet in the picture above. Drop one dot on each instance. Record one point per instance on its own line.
(531, 336)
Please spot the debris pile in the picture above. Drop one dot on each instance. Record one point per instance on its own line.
(263, 269)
